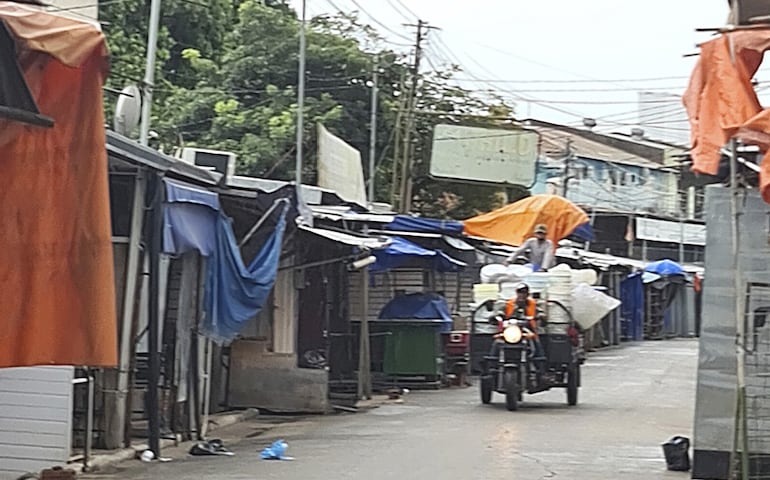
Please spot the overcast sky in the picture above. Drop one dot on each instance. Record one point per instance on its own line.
(571, 58)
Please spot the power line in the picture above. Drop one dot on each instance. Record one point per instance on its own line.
(496, 88)
(400, 12)
(613, 80)
(411, 12)
(374, 19)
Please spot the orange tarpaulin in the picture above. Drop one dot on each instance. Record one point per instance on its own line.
(56, 271)
(514, 223)
(721, 102)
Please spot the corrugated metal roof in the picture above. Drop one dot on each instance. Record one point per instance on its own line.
(554, 141)
(366, 243)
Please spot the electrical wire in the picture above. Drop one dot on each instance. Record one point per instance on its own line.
(375, 20)
(401, 12)
(411, 12)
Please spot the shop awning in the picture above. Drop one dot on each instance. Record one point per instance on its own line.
(408, 223)
(362, 242)
(402, 252)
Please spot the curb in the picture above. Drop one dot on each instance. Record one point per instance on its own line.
(216, 422)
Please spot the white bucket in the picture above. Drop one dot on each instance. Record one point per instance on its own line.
(485, 291)
(538, 282)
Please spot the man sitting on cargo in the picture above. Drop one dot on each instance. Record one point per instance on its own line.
(539, 250)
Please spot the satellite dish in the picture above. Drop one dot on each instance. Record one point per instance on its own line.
(128, 110)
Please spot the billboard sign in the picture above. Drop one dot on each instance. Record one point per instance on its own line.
(484, 155)
(339, 167)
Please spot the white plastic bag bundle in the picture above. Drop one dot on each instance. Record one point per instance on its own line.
(589, 305)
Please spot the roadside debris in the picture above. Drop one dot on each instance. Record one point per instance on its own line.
(677, 452)
(210, 448)
(276, 451)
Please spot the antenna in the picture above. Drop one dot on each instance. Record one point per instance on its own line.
(128, 110)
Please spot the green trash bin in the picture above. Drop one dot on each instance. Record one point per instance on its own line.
(413, 348)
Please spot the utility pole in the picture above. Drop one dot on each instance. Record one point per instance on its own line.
(397, 158)
(408, 149)
(154, 240)
(567, 162)
(149, 72)
(373, 131)
(300, 102)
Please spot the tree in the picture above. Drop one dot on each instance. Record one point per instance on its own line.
(227, 75)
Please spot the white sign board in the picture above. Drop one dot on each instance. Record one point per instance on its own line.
(339, 167)
(486, 155)
(670, 232)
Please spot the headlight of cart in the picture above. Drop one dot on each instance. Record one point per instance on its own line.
(512, 334)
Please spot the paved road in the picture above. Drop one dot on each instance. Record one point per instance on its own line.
(633, 399)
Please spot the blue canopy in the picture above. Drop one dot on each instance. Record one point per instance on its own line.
(665, 268)
(585, 232)
(401, 251)
(189, 216)
(406, 223)
(233, 292)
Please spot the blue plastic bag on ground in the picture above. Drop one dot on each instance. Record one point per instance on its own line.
(275, 451)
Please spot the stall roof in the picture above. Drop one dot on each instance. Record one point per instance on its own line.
(363, 242)
(345, 213)
(137, 154)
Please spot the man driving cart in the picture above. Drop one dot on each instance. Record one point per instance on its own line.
(521, 307)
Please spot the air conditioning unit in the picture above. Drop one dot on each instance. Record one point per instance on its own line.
(220, 162)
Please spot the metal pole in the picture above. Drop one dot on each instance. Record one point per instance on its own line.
(741, 422)
(126, 343)
(153, 319)
(149, 73)
(89, 422)
(364, 357)
(681, 240)
(373, 131)
(300, 101)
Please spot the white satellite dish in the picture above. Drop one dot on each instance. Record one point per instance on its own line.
(128, 110)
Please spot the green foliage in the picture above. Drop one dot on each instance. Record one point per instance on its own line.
(226, 79)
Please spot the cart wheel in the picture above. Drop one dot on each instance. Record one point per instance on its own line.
(573, 382)
(486, 389)
(511, 391)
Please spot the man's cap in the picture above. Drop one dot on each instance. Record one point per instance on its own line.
(521, 287)
(541, 228)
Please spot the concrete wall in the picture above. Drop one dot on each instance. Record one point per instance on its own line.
(272, 381)
(716, 388)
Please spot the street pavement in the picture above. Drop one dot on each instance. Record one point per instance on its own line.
(633, 399)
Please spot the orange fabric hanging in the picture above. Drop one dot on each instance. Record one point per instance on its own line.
(56, 270)
(721, 102)
(514, 223)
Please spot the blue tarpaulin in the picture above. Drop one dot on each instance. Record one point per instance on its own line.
(234, 293)
(418, 306)
(406, 223)
(423, 306)
(632, 306)
(401, 252)
(189, 216)
(585, 232)
(665, 268)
